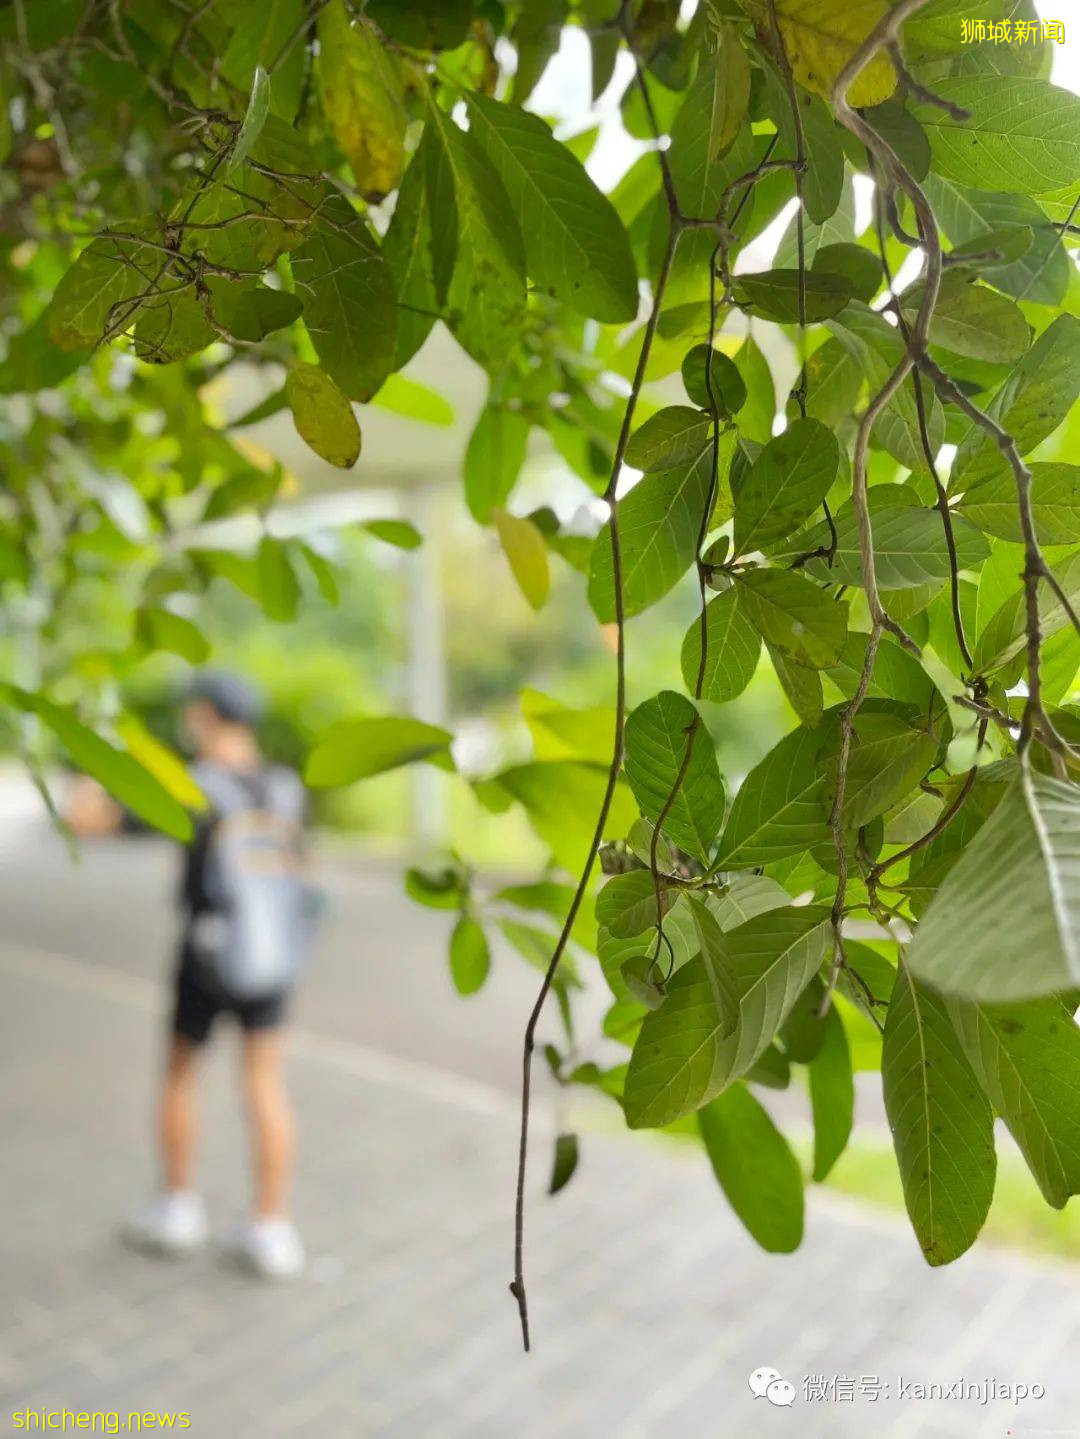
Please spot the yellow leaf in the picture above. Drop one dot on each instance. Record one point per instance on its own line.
(524, 547)
(821, 36)
(362, 98)
(162, 762)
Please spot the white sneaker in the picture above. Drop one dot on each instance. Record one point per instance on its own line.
(172, 1223)
(268, 1246)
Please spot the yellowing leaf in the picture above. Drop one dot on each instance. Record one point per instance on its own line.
(362, 98)
(162, 762)
(524, 547)
(821, 36)
(323, 417)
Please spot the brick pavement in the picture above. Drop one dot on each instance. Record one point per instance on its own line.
(650, 1306)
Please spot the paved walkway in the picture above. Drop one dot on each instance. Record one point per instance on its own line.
(650, 1305)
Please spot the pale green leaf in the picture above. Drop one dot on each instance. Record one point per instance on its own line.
(356, 749)
(941, 1122)
(755, 1168)
(795, 616)
(493, 459)
(786, 484)
(470, 959)
(687, 1053)
(1055, 504)
(524, 547)
(1005, 923)
(732, 648)
(575, 244)
(657, 739)
(779, 809)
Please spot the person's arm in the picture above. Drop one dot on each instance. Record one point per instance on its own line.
(90, 813)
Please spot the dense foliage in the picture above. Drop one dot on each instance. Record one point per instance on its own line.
(312, 186)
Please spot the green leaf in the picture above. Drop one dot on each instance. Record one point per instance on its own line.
(779, 809)
(486, 294)
(1030, 404)
(823, 178)
(562, 799)
(363, 99)
(1034, 264)
(786, 484)
(258, 42)
(402, 534)
(747, 895)
(687, 1052)
(575, 244)
(445, 888)
(349, 306)
(402, 396)
(279, 588)
(626, 906)
(755, 1168)
(1005, 923)
(564, 1162)
(896, 675)
(493, 459)
(973, 320)
(887, 759)
(251, 312)
(733, 648)
(470, 959)
(656, 746)
(659, 521)
(1055, 503)
(422, 24)
(832, 1096)
(910, 549)
(857, 265)
(407, 248)
(322, 415)
(1023, 134)
(357, 749)
(941, 1122)
(1027, 1057)
(559, 732)
(536, 35)
(1004, 636)
(160, 629)
(794, 615)
(524, 547)
(821, 39)
(801, 685)
(725, 77)
(834, 377)
(254, 118)
(757, 415)
(129, 783)
(774, 294)
(712, 381)
(675, 435)
(99, 292)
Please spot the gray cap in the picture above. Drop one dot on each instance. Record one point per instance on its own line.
(233, 698)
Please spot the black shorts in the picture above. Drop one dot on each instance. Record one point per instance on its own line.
(199, 1002)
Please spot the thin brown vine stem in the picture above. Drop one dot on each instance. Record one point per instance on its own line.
(924, 434)
(1035, 566)
(703, 656)
(800, 214)
(885, 31)
(517, 1286)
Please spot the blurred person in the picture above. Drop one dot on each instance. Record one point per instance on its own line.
(246, 912)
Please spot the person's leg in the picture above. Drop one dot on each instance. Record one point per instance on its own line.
(273, 1130)
(176, 1114)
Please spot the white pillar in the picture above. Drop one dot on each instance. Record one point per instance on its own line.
(426, 669)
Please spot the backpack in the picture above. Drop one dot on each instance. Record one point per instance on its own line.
(256, 931)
